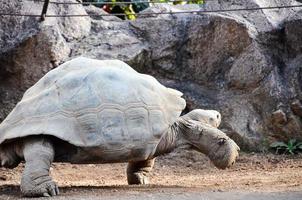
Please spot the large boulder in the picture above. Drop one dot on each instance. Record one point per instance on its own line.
(30, 48)
(245, 64)
(263, 20)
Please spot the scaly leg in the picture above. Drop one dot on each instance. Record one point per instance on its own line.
(38, 155)
(137, 172)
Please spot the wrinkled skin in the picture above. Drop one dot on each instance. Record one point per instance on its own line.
(196, 130)
(222, 150)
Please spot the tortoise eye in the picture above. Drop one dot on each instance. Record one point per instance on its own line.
(217, 116)
(221, 141)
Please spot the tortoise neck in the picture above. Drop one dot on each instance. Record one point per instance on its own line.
(172, 139)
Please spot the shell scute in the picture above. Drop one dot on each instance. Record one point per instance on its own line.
(111, 126)
(137, 124)
(156, 121)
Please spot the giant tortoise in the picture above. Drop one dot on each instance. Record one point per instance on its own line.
(103, 111)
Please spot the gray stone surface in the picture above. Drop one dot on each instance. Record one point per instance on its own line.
(30, 48)
(245, 64)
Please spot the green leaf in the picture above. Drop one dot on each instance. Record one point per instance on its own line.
(290, 151)
(292, 142)
(299, 143)
(278, 144)
(130, 12)
(196, 2)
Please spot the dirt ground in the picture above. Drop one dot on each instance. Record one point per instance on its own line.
(180, 175)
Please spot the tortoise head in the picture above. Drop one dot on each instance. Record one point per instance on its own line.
(211, 117)
(209, 140)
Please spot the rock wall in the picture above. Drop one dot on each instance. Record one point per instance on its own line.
(247, 65)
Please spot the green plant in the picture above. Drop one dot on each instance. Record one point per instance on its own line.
(291, 147)
(128, 11)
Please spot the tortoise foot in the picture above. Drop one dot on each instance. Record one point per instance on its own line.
(137, 172)
(39, 187)
(138, 179)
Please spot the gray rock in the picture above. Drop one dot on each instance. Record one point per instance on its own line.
(296, 107)
(279, 117)
(263, 20)
(15, 29)
(245, 64)
(30, 48)
(293, 28)
(250, 68)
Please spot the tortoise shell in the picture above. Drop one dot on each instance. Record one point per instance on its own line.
(91, 103)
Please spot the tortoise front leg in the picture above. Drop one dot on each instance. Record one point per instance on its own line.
(137, 172)
(38, 154)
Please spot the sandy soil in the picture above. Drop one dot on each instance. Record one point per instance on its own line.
(180, 173)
